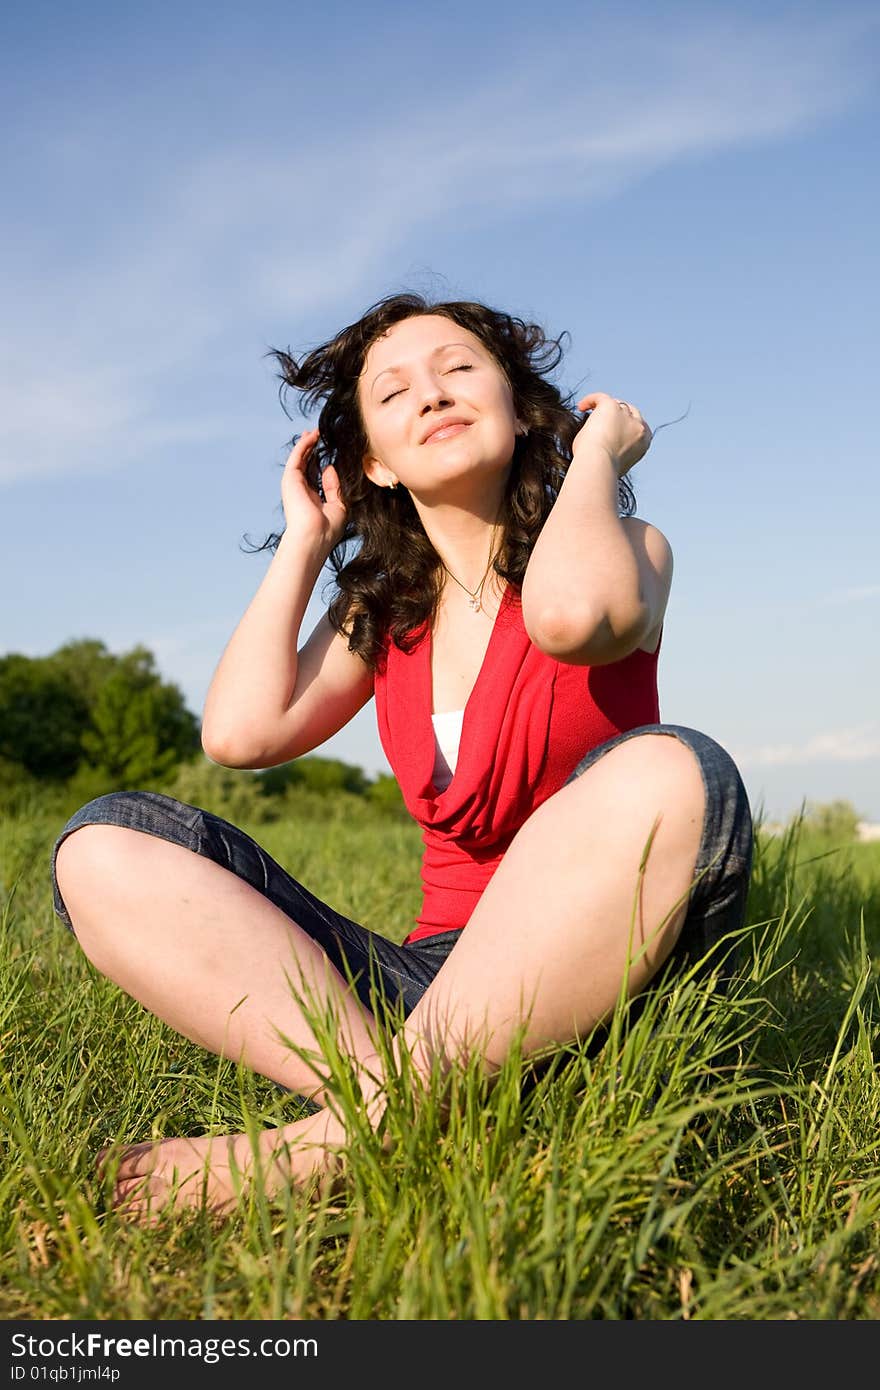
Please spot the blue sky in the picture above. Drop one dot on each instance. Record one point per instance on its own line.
(689, 190)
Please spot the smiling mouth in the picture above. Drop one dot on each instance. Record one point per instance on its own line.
(446, 432)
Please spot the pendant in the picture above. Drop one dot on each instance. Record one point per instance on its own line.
(474, 605)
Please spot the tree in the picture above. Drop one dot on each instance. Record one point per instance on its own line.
(42, 719)
(84, 665)
(17, 786)
(837, 820)
(385, 793)
(83, 711)
(317, 774)
(139, 727)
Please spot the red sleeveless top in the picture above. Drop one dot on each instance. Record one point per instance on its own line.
(527, 723)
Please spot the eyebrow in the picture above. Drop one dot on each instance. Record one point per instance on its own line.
(443, 347)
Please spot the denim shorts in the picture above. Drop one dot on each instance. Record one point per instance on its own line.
(394, 977)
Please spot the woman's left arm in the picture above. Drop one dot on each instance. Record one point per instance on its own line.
(596, 584)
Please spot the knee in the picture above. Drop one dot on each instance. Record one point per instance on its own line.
(645, 796)
(87, 852)
(97, 867)
(101, 843)
(135, 810)
(659, 771)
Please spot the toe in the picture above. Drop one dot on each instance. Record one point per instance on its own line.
(129, 1193)
(138, 1211)
(130, 1160)
(136, 1161)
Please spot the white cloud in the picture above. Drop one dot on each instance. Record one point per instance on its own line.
(854, 595)
(238, 236)
(77, 420)
(851, 745)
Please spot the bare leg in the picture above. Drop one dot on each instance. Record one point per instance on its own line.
(552, 930)
(214, 959)
(551, 933)
(203, 951)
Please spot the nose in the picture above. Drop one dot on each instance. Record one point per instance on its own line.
(434, 395)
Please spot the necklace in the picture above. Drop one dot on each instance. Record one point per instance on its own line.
(475, 595)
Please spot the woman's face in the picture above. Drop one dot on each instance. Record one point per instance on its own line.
(437, 408)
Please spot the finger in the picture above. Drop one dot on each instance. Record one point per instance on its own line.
(592, 401)
(330, 482)
(303, 446)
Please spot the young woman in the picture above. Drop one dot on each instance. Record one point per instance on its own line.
(503, 606)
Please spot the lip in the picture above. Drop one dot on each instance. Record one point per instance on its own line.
(452, 423)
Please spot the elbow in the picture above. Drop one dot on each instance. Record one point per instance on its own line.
(217, 751)
(214, 739)
(561, 631)
(251, 750)
(587, 638)
(225, 749)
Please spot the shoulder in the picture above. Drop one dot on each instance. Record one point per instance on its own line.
(650, 540)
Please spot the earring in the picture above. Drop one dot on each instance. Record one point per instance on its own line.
(522, 429)
(393, 485)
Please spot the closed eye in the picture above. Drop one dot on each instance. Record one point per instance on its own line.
(460, 367)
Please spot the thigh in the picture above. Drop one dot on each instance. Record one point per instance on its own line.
(387, 977)
(717, 905)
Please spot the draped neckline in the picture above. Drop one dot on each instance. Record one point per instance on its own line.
(426, 699)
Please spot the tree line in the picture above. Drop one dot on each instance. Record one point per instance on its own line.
(83, 721)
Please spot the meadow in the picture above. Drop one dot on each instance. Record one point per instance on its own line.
(716, 1158)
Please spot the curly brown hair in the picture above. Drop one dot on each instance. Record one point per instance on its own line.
(388, 589)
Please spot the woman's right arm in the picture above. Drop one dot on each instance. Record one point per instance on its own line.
(269, 701)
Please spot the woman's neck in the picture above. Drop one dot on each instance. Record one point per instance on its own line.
(466, 541)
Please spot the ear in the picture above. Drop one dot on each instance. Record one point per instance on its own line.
(377, 472)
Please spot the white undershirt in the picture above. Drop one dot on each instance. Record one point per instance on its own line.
(447, 736)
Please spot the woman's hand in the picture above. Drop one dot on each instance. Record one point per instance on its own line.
(616, 427)
(304, 513)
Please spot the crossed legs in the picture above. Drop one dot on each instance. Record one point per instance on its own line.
(547, 945)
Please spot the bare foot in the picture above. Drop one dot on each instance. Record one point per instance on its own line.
(215, 1172)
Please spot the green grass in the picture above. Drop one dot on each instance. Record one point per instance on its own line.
(715, 1159)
